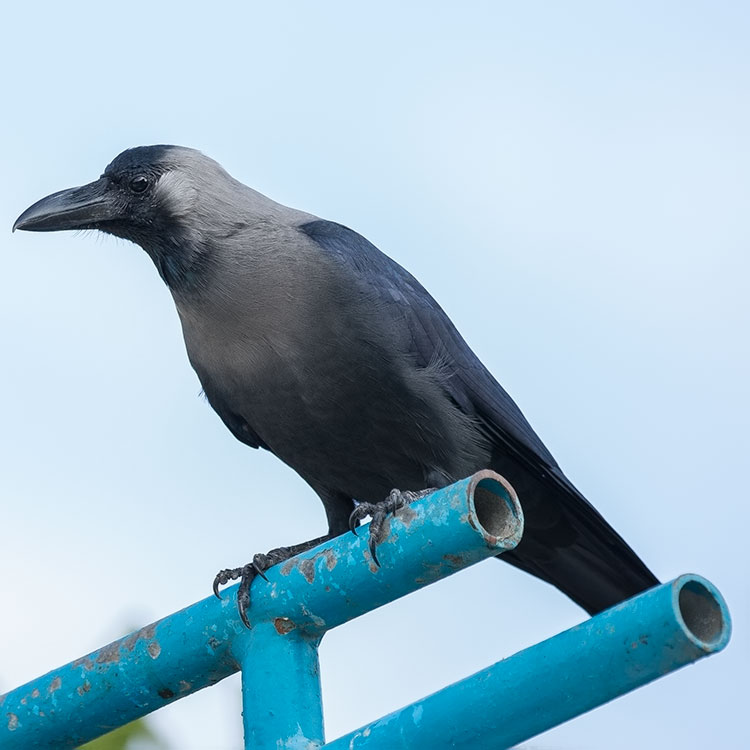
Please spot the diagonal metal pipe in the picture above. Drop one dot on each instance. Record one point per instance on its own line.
(430, 539)
(617, 651)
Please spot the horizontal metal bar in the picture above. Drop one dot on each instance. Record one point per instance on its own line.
(449, 530)
(458, 526)
(613, 653)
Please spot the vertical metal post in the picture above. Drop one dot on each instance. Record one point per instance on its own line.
(281, 699)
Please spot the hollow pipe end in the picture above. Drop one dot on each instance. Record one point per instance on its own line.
(494, 510)
(701, 611)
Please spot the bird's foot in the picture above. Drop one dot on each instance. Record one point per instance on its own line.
(378, 513)
(258, 567)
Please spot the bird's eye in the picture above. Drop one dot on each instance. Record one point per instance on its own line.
(138, 184)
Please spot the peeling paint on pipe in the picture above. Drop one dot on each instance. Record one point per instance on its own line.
(196, 647)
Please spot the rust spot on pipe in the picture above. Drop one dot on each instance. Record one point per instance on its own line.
(368, 559)
(287, 567)
(85, 662)
(146, 633)
(56, 684)
(455, 560)
(154, 649)
(35, 693)
(109, 654)
(406, 514)
(283, 625)
(12, 722)
(430, 574)
(307, 565)
(307, 568)
(330, 559)
(81, 689)
(166, 693)
(24, 700)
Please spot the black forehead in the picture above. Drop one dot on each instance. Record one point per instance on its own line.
(142, 158)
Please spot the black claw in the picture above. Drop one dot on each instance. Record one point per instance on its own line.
(257, 567)
(373, 548)
(243, 592)
(260, 571)
(242, 608)
(378, 513)
(223, 576)
(354, 520)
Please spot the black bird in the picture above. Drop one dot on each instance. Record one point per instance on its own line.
(311, 343)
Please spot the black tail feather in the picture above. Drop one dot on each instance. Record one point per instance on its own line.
(567, 543)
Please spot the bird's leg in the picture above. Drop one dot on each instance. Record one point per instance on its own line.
(258, 567)
(378, 512)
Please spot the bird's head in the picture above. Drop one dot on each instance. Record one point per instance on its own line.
(149, 195)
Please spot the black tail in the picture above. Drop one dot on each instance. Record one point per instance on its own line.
(567, 543)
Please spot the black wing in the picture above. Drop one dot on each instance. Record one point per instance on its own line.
(566, 541)
(433, 337)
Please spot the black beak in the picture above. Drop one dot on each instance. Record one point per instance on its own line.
(75, 208)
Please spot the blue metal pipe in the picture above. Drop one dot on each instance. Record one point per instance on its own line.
(453, 528)
(613, 653)
(281, 699)
(457, 526)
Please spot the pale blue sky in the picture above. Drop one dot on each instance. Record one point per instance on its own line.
(571, 182)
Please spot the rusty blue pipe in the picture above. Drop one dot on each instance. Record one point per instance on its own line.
(609, 655)
(455, 527)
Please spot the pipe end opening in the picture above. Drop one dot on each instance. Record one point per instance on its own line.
(497, 510)
(702, 613)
